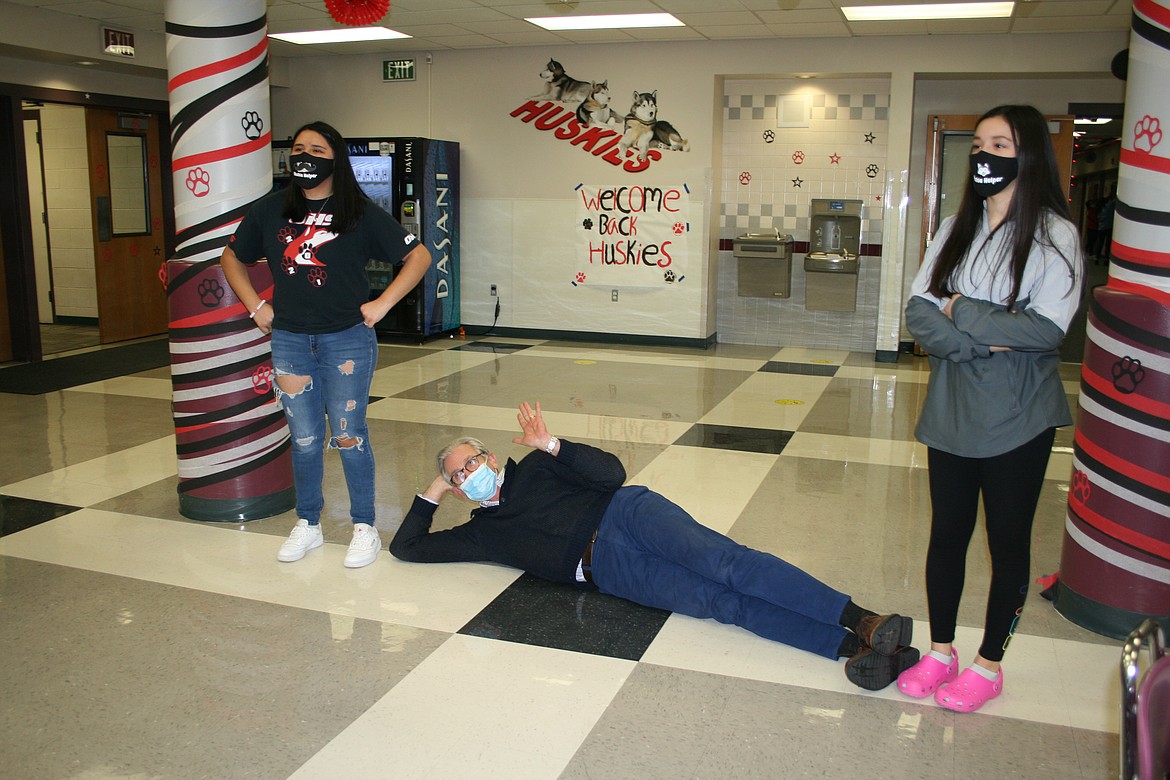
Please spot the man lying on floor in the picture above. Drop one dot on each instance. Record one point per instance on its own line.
(562, 514)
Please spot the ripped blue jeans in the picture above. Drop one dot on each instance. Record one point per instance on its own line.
(321, 375)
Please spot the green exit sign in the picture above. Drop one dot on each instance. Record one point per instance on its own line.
(398, 70)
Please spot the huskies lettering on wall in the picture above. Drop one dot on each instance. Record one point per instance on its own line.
(579, 113)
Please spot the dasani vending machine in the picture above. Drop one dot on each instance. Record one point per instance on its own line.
(417, 181)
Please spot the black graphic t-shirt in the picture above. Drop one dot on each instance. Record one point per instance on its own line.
(320, 276)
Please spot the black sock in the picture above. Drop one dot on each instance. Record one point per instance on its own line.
(849, 647)
(852, 615)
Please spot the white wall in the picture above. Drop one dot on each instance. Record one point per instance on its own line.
(518, 182)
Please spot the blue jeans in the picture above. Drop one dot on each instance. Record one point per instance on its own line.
(339, 367)
(651, 551)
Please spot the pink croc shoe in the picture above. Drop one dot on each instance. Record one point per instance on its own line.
(969, 691)
(925, 677)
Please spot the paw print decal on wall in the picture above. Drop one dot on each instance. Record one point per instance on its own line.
(262, 379)
(1128, 374)
(1080, 486)
(745, 178)
(769, 136)
(198, 182)
(798, 157)
(253, 125)
(1147, 133)
(210, 292)
(871, 170)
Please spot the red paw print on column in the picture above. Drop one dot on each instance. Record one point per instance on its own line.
(1081, 487)
(798, 157)
(289, 266)
(262, 379)
(198, 182)
(1147, 133)
(745, 178)
(317, 277)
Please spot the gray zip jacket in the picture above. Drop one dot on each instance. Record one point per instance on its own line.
(981, 403)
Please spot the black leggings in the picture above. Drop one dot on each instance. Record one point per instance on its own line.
(1010, 484)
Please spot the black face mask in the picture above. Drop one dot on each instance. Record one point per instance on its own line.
(991, 174)
(309, 171)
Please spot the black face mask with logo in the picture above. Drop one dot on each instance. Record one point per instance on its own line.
(309, 171)
(991, 174)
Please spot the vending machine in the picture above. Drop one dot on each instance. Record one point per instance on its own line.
(417, 181)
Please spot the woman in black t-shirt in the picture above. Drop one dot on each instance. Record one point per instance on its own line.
(318, 237)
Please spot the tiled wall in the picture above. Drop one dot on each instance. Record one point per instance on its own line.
(771, 174)
(63, 146)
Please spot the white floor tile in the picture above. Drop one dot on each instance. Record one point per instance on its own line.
(477, 708)
(138, 386)
(713, 485)
(856, 449)
(768, 400)
(1045, 680)
(102, 478)
(237, 563)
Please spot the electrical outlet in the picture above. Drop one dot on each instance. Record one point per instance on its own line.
(493, 291)
(613, 295)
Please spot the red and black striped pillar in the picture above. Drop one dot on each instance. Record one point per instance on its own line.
(1115, 562)
(232, 440)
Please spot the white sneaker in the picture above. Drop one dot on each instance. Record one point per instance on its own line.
(304, 537)
(363, 549)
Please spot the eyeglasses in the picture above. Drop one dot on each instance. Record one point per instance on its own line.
(457, 477)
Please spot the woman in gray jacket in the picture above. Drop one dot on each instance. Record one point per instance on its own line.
(990, 305)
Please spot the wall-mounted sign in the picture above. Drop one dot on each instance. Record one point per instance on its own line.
(631, 236)
(398, 70)
(117, 42)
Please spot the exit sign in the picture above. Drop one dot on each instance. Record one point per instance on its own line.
(398, 70)
(117, 42)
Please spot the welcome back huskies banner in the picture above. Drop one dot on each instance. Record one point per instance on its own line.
(632, 236)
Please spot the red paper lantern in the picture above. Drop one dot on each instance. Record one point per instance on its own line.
(357, 12)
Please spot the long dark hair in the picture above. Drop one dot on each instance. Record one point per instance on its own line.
(1038, 191)
(348, 200)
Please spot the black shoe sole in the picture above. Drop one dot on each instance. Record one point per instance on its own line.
(874, 671)
(895, 633)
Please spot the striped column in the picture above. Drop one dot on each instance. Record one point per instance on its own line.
(1115, 562)
(232, 441)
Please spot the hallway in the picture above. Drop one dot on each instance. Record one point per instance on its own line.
(142, 644)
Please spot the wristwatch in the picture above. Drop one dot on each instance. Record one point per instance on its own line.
(552, 444)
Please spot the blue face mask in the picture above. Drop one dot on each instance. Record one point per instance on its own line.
(480, 484)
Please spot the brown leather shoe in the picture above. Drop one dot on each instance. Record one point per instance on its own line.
(870, 670)
(885, 634)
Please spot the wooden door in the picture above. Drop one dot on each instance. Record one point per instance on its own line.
(126, 187)
(948, 145)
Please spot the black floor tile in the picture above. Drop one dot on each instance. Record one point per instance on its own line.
(730, 437)
(494, 347)
(17, 514)
(808, 369)
(533, 611)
